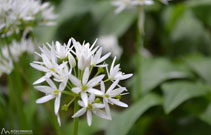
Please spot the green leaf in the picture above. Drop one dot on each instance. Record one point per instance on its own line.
(206, 115)
(156, 71)
(201, 66)
(175, 93)
(117, 24)
(122, 123)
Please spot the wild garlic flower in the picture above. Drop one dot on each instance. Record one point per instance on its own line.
(13, 51)
(115, 73)
(51, 92)
(6, 65)
(109, 43)
(128, 4)
(80, 71)
(18, 48)
(17, 15)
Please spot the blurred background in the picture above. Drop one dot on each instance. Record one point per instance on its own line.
(175, 94)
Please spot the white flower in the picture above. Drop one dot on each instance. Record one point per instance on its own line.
(90, 108)
(77, 74)
(16, 13)
(51, 93)
(84, 53)
(109, 96)
(97, 59)
(18, 48)
(110, 44)
(48, 66)
(85, 86)
(62, 51)
(115, 73)
(125, 4)
(6, 65)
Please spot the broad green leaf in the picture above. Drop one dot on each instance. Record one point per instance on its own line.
(122, 123)
(117, 24)
(175, 93)
(206, 115)
(201, 66)
(194, 3)
(156, 71)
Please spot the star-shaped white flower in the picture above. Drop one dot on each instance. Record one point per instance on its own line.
(51, 92)
(90, 108)
(109, 96)
(84, 53)
(85, 86)
(97, 59)
(115, 73)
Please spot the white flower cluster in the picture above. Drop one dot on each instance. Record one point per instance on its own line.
(127, 4)
(13, 52)
(16, 15)
(80, 71)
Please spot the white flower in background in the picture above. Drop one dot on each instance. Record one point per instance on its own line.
(16, 13)
(6, 65)
(51, 92)
(115, 73)
(90, 108)
(126, 4)
(110, 44)
(73, 66)
(18, 48)
(86, 86)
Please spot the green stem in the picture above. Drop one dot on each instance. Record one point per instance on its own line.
(139, 45)
(75, 121)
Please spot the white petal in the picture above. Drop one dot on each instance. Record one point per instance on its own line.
(39, 67)
(104, 57)
(112, 65)
(84, 98)
(51, 83)
(57, 103)
(93, 82)
(58, 119)
(40, 80)
(98, 105)
(85, 76)
(76, 90)
(91, 98)
(115, 70)
(102, 86)
(101, 114)
(44, 89)
(107, 109)
(44, 99)
(94, 91)
(81, 103)
(79, 112)
(123, 77)
(117, 91)
(89, 117)
(117, 102)
(75, 80)
(112, 86)
(62, 85)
